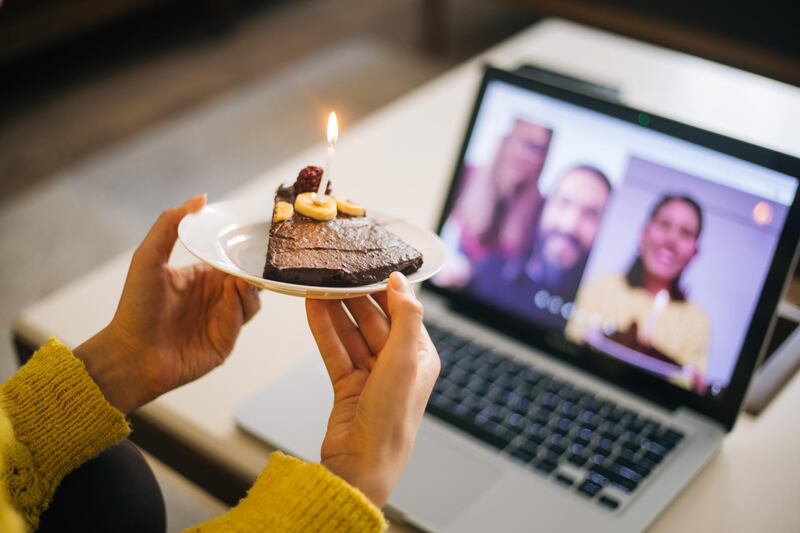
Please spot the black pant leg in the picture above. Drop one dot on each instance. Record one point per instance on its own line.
(116, 491)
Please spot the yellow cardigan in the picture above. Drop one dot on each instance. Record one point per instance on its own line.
(53, 418)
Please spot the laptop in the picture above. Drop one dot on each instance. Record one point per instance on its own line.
(612, 276)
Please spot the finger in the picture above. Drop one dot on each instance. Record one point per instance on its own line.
(348, 333)
(160, 240)
(250, 300)
(333, 352)
(380, 299)
(230, 316)
(405, 334)
(372, 323)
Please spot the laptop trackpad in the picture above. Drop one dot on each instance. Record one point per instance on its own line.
(441, 480)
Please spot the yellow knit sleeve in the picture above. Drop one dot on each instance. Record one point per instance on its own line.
(10, 520)
(56, 419)
(293, 496)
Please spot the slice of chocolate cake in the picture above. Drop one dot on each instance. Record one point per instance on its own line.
(330, 243)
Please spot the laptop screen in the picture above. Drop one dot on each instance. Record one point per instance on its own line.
(646, 248)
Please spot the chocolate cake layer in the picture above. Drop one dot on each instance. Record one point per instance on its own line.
(344, 252)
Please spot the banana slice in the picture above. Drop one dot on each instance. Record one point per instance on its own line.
(322, 209)
(283, 211)
(349, 208)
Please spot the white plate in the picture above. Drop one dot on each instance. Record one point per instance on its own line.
(232, 236)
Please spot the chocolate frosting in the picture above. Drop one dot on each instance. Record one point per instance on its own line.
(343, 252)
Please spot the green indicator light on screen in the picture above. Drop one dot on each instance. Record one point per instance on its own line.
(644, 119)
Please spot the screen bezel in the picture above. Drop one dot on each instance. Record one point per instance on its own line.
(723, 408)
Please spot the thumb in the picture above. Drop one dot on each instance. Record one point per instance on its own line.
(405, 314)
(160, 240)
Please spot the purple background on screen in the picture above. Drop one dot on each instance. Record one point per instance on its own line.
(726, 277)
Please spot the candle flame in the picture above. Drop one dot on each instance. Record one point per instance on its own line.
(333, 128)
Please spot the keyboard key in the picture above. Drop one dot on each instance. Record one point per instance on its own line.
(557, 449)
(563, 426)
(442, 402)
(577, 459)
(464, 411)
(478, 386)
(568, 409)
(654, 447)
(608, 501)
(614, 477)
(589, 419)
(519, 403)
(589, 402)
(652, 457)
(536, 432)
(636, 424)
(650, 427)
(569, 394)
(597, 478)
(633, 466)
(615, 415)
(531, 376)
(664, 438)
(459, 376)
(598, 456)
(529, 447)
(631, 447)
(577, 449)
(545, 466)
(497, 394)
(583, 436)
(456, 394)
(564, 479)
(589, 489)
(542, 416)
(673, 435)
(474, 350)
(550, 456)
(515, 422)
(548, 399)
(627, 473)
(523, 455)
(607, 445)
(491, 416)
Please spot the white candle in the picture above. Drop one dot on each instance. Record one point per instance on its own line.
(333, 134)
(660, 303)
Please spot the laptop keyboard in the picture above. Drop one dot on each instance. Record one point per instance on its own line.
(583, 442)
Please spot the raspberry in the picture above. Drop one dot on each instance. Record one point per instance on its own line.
(308, 180)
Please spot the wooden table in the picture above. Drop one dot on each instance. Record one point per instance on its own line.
(400, 159)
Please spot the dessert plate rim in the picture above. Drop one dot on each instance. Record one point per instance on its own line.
(211, 233)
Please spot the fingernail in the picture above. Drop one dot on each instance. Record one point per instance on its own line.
(200, 198)
(399, 282)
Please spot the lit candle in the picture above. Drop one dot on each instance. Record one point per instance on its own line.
(660, 303)
(333, 134)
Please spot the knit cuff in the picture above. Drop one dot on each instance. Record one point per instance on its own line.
(59, 413)
(292, 495)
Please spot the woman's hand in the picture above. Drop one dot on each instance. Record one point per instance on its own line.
(382, 368)
(172, 325)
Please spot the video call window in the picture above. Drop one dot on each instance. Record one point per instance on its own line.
(646, 248)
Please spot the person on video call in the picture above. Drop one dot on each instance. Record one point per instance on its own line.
(647, 309)
(554, 263)
(498, 204)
